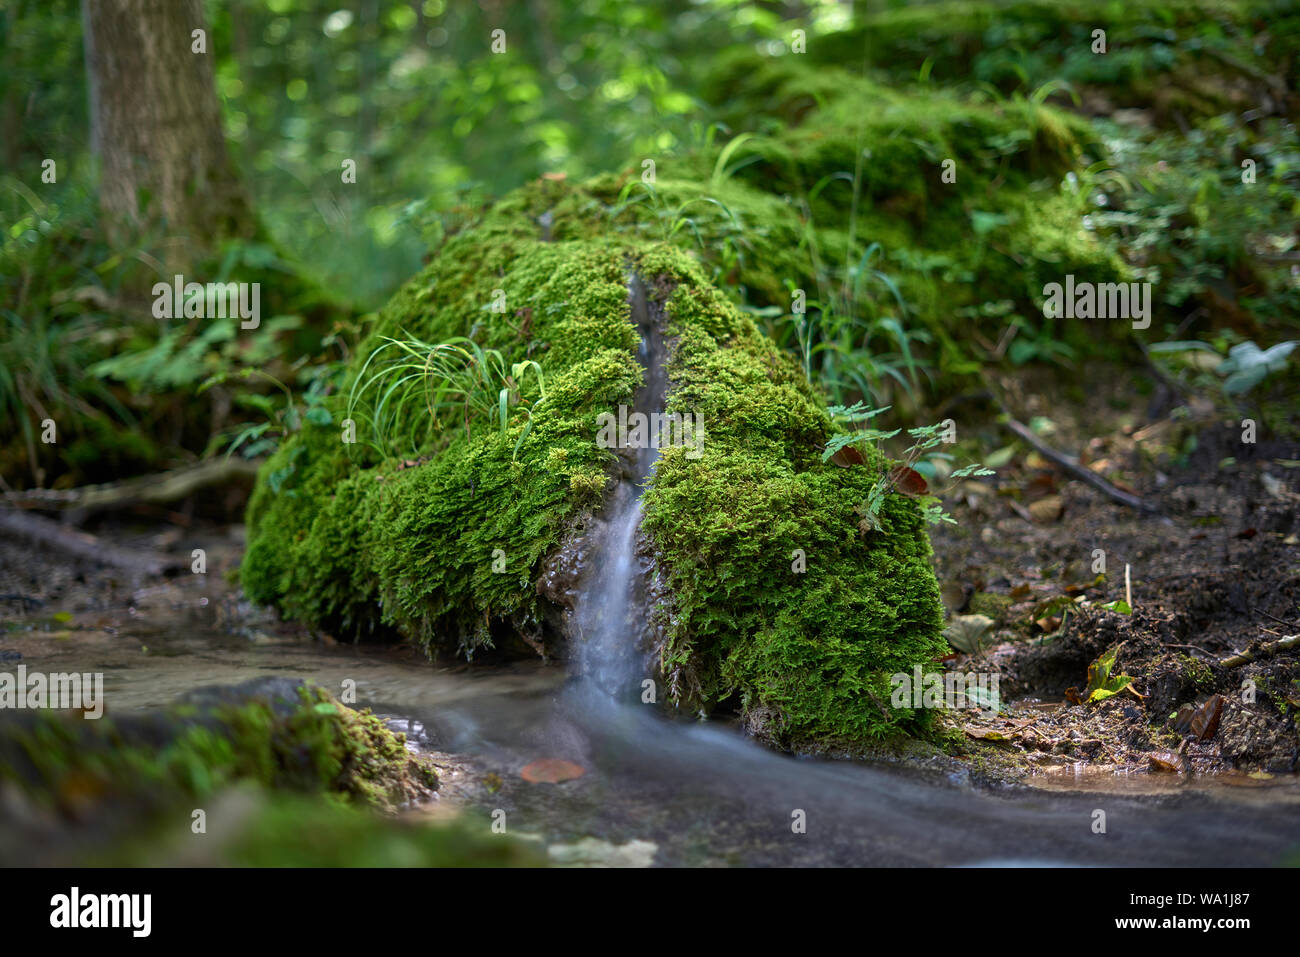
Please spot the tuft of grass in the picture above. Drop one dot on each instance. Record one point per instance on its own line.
(456, 380)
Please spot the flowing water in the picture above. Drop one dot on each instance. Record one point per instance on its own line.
(611, 644)
(697, 793)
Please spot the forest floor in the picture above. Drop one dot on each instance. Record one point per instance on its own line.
(1214, 572)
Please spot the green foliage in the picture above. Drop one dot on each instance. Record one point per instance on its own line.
(1102, 682)
(1244, 368)
(59, 289)
(924, 439)
(79, 344)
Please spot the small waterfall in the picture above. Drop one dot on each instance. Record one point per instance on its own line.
(613, 611)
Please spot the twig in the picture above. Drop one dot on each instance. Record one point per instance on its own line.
(1264, 651)
(1072, 466)
(162, 487)
(1208, 654)
(1280, 621)
(46, 531)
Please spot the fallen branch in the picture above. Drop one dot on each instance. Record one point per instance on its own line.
(148, 489)
(46, 531)
(1071, 465)
(1263, 651)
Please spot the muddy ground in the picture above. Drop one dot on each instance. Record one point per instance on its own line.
(1214, 572)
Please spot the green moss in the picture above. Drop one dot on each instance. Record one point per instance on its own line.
(1159, 55)
(360, 545)
(1197, 671)
(293, 832)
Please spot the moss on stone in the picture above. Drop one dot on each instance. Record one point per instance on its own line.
(281, 734)
(352, 542)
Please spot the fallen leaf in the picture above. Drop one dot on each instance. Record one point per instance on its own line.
(908, 481)
(551, 771)
(1000, 457)
(1206, 720)
(1273, 486)
(987, 734)
(848, 456)
(1047, 509)
(1166, 761)
(965, 632)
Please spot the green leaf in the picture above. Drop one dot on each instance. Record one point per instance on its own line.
(1101, 683)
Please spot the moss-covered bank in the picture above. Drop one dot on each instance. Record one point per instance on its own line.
(272, 771)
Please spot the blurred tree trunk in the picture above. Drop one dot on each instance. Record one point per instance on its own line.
(156, 126)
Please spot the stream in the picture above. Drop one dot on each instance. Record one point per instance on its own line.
(702, 794)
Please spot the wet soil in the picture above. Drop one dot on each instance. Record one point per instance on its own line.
(1214, 573)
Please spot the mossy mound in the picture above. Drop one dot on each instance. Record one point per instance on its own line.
(413, 541)
(1182, 60)
(278, 733)
(930, 206)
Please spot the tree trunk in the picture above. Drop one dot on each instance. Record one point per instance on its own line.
(156, 125)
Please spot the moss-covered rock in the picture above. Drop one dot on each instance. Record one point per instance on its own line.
(276, 732)
(1178, 58)
(282, 773)
(404, 536)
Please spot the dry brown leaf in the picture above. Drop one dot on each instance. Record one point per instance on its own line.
(1046, 509)
(552, 771)
(1205, 722)
(1166, 761)
(908, 481)
(848, 456)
